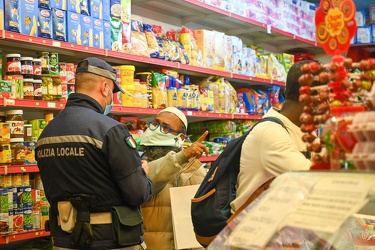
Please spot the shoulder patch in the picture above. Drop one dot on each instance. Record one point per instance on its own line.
(131, 142)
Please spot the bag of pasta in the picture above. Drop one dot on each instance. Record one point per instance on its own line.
(139, 45)
(152, 43)
(159, 90)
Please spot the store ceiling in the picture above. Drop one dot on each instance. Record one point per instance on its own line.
(360, 4)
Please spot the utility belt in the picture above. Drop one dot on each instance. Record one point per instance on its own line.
(74, 218)
(68, 216)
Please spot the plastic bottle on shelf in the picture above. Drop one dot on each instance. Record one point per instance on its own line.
(337, 137)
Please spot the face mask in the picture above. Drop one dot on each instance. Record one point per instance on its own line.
(108, 107)
(157, 138)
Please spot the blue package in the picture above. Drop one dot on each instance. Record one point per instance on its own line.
(361, 17)
(58, 25)
(106, 10)
(73, 27)
(96, 9)
(29, 17)
(12, 17)
(363, 34)
(97, 30)
(107, 34)
(115, 8)
(84, 6)
(58, 4)
(74, 6)
(373, 33)
(86, 30)
(44, 4)
(44, 23)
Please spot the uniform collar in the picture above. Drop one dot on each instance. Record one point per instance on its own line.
(82, 100)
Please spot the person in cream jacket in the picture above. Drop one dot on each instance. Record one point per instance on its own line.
(170, 166)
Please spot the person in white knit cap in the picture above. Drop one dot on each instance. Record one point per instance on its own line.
(170, 166)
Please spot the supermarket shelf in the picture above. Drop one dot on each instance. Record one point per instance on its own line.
(209, 158)
(194, 13)
(15, 169)
(74, 53)
(33, 104)
(13, 237)
(146, 113)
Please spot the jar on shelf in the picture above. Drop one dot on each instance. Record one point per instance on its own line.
(37, 84)
(28, 89)
(44, 57)
(47, 88)
(17, 148)
(28, 132)
(37, 68)
(57, 90)
(27, 67)
(14, 118)
(13, 64)
(337, 137)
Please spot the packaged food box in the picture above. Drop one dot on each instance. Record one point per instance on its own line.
(59, 4)
(58, 25)
(107, 34)
(219, 51)
(44, 23)
(361, 17)
(206, 43)
(98, 36)
(105, 10)
(37, 126)
(96, 9)
(363, 34)
(86, 34)
(115, 8)
(5, 89)
(29, 17)
(44, 4)
(73, 28)
(74, 6)
(12, 15)
(2, 15)
(16, 82)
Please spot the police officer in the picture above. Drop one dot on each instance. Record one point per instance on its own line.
(89, 165)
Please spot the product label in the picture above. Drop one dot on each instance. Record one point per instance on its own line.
(13, 67)
(27, 69)
(15, 127)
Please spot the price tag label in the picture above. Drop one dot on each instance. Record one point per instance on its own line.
(189, 113)
(268, 29)
(56, 43)
(51, 105)
(9, 102)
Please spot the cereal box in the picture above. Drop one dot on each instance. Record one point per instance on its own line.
(98, 39)
(58, 4)
(107, 34)
(28, 17)
(228, 59)
(44, 23)
(86, 34)
(96, 9)
(58, 25)
(73, 27)
(5, 89)
(364, 34)
(12, 18)
(74, 6)
(45, 4)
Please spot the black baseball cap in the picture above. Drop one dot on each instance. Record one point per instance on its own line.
(99, 67)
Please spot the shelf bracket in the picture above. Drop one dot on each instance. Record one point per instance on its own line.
(190, 19)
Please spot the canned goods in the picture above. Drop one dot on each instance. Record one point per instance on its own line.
(28, 222)
(18, 220)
